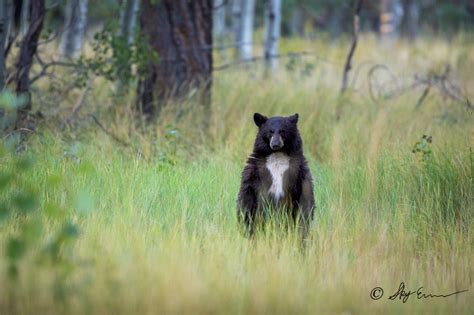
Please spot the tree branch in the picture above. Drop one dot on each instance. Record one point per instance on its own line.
(355, 34)
(52, 64)
(110, 134)
(423, 96)
(79, 103)
(258, 58)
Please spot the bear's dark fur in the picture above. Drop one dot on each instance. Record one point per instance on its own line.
(276, 175)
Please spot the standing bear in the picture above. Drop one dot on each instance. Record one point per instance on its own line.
(276, 176)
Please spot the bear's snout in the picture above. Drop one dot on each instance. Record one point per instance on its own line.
(276, 142)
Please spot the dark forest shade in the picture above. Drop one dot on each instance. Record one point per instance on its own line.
(180, 32)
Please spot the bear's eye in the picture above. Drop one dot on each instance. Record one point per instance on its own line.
(283, 131)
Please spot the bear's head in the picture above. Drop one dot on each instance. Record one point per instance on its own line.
(277, 134)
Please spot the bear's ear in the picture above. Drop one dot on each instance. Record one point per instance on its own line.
(294, 118)
(259, 119)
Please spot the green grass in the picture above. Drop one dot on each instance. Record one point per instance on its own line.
(156, 220)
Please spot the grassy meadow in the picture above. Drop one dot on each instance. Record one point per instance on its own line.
(148, 226)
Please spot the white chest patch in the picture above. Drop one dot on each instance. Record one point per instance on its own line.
(277, 164)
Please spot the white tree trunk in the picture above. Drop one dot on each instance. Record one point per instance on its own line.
(236, 22)
(218, 16)
(246, 29)
(10, 27)
(25, 17)
(74, 28)
(272, 32)
(243, 12)
(3, 37)
(128, 19)
(128, 27)
(390, 16)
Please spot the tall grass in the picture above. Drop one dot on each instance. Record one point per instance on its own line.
(156, 220)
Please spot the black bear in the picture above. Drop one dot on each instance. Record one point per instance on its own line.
(276, 175)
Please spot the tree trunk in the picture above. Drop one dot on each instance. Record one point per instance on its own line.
(272, 32)
(3, 37)
(9, 16)
(28, 49)
(389, 18)
(246, 29)
(236, 24)
(5, 25)
(297, 22)
(74, 28)
(14, 22)
(243, 12)
(180, 32)
(25, 17)
(219, 25)
(128, 22)
(219, 18)
(128, 19)
(409, 23)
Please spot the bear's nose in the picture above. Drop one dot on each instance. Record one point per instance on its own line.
(276, 142)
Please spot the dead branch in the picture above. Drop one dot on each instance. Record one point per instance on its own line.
(9, 45)
(355, 34)
(358, 70)
(260, 58)
(49, 39)
(52, 64)
(80, 103)
(107, 132)
(371, 73)
(226, 46)
(443, 83)
(423, 96)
